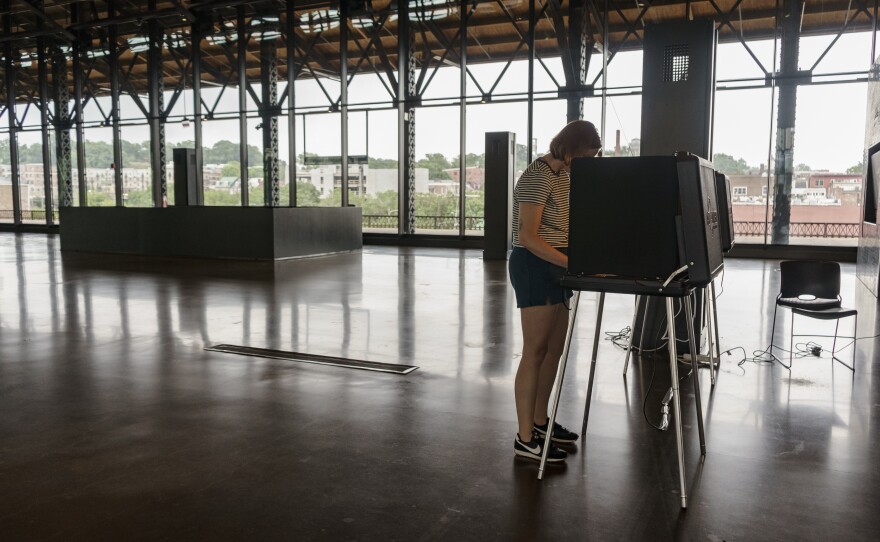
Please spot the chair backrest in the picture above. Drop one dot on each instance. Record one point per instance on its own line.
(820, 279)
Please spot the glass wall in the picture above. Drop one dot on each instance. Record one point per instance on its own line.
(826, 195)
(221, 162)
(483, 118)
(828, 138)
(437, 149)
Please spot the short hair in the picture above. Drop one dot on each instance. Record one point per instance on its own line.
(575, 139)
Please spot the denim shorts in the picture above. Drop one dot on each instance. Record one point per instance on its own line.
(535, 281)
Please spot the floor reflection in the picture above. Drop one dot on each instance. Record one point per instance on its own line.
(110, 399)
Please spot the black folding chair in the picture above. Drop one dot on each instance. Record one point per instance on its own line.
(812, 289)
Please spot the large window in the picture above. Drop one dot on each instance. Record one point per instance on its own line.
(828, 150)
(374, 185)
(436, 191)
(742, 139)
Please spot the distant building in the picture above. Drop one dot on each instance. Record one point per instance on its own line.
(474, 176)
(361, 179)
(228, 184)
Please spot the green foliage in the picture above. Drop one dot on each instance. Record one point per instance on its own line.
(382, 163)
(858, 169)
(470, 160)
(306, 195)
(255, 172)
(729, 165)
(139, 198)
(222, 198)
(435, 163)
(100, 199)
(802, 167)
(231, 169)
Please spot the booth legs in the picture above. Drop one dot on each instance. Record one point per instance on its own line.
(715, 327)
(632, 329)
(676, 400)
(695, 366)
(560, 374)
(710, 326)
(596, 338)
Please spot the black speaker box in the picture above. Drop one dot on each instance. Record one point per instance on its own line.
(187, 188)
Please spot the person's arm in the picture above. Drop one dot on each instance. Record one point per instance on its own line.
(529, 222)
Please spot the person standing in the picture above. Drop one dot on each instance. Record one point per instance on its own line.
(537, 263)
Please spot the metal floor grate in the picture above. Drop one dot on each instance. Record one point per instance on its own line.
(311, 358)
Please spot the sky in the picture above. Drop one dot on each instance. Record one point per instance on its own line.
(829, 133)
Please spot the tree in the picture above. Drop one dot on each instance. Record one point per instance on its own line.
(382, 163)
(435, 163)
(857, 169)
(222, 198)
(99, 154)
(306, 194)
(470, 160)
(802, 167)
(729, 165)
(139, 198)
(231, 169)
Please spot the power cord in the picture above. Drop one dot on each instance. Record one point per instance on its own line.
(664, 406)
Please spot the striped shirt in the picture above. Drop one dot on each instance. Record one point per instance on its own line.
(539, 185)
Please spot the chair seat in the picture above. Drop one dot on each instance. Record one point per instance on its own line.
(817, 304)
(834, 313)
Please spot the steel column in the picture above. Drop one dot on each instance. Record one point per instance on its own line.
(77, 51)
(462, 120)
(406, 123)
(156, 79)
(10, 75)
(113, 48)
(43, 83)
(343, 97)
(269, 114)
(785, 121)
(291, 102)
(530, 134)
(580, 57)
(196, 62)
(62, 129)
(242, 106)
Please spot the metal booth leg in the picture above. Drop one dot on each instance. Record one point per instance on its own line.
(673, 369)
(593, 364)
(715, 322)
(644, 320)
(709, 329)
(692, 343)
(560, 375)
(632, 329)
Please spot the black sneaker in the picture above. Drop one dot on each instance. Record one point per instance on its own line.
(535, 447)
(560, 433)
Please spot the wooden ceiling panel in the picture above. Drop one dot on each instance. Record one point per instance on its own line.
(495, 29)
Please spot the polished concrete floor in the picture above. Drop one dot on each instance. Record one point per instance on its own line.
(117, 425)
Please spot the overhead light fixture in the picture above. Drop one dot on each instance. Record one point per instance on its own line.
(265, 28)
(138, 47)
(98, 53)
(175, 40)
(321, 20)
(26, 59)
(225, 34)
(430, 10)
(266, 35)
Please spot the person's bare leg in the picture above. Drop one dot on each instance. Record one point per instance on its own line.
(537, 324)
(547, 372)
